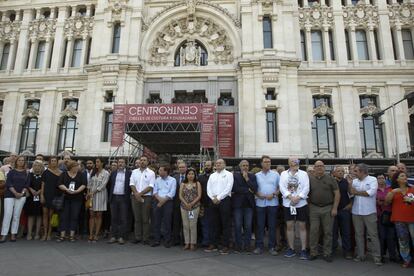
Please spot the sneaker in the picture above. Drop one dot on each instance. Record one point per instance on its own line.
(378, 261)
(290, 253)
(258, 251)
(328, 258)
(304, 255)
(210, 248)
(121, 241)
(224, 251)
(359, 259)
(112, 240)
(273, 252)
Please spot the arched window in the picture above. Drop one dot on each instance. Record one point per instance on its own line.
(28, 136)
(191, 52)
(67, 133)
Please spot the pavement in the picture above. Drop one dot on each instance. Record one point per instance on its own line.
(83, 258)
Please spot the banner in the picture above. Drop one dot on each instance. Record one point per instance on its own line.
(165, 113)
(226, 136)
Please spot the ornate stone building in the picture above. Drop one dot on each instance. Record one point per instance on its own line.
(302, 77)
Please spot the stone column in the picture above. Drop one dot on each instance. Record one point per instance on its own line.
(69, 52)
(33, 53)
(384, 34)
(326, 46)
(1, 51)
(47, 58)
(85, 43)
(352, 43)
(372, 50)
(399, 43)
(308, 42)
(59, 42)
(23, 47)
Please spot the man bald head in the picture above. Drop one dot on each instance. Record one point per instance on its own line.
(220, 165)
(319, 168)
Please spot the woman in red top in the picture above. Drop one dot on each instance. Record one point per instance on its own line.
(402, 199)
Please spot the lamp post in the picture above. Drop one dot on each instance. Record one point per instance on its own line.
(378, 114)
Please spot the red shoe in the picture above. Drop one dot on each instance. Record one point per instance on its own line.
(405, 265)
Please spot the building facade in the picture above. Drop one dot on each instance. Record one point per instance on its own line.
(302, 77)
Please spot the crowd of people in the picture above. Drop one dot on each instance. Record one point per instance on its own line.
(218, 210)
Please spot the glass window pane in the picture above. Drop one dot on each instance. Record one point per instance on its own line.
(322, 134)
(317, 48)
(407, 44)
(369, 133)
(77, 53)
(362, 45)
(331, 133)
(5, 56)
(331, 45)
(116, 38)
(40, 57)
(267, 32)
(303, 45)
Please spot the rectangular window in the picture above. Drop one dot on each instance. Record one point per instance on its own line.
(377, 49)
(65, 51)
(77, 53)
(33, 104)
(407, 44)
(116, 38)
(267, 33)
(270, 94)
(72, 103)
(348, 46)
(362, 45)
(5, 56)
(317, 46)
(303, 45)
(40, 57)
(331, 45)
(108, 127)
(271, 126)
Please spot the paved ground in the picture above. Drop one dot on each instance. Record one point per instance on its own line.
(81, 258)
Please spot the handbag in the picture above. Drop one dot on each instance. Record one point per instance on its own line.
(89, 203)
(54, 221)
(386, 218)
(57, 202)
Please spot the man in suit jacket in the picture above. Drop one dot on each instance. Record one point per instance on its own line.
(177, 227)
(119, 199)
(244, 189)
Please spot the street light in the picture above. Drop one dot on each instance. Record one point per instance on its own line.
(378, 114)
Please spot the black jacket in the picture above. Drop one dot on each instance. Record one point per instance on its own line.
(243, 190)
(127, 188)
(203, 179)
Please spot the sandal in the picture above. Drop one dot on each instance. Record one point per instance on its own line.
(60, 239)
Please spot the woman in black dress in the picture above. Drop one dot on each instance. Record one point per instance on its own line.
(50, 182)
(33, 208)
(72, 183)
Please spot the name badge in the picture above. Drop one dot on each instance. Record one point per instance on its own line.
(293, 211)
(190, 215)
(36, 198)
(72, 186)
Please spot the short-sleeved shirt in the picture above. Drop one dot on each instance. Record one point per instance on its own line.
(365, 205)
(78, 181)
(321, 192)
(17, 180)
(402, 211)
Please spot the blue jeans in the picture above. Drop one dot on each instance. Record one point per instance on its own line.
(263, 213)
(243, 217)
(162, 221)
(342, 223)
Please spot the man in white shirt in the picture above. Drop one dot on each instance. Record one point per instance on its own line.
(294, 186)
(219, 188)
(141, 183)
(364, 213)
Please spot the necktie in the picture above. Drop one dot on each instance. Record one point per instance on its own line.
(181, 179)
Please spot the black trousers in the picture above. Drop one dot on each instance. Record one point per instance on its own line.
(177, 224)
(220, 218)
(162, 220)
(119, 216)
(69, 220)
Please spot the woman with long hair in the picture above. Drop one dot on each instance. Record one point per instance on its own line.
(98, 193)
(402, 199)
(190, 195)
(50, 183)
(33, 207)
(72, 183)
(14, 198)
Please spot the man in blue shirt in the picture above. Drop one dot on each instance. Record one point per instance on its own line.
(266, 205)
(244, 189)
(164, 192)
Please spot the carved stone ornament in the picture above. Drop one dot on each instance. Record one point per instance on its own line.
(9, 31)
(316, 16)
(325, 154)
(190, 53)
(117, 9)
(78, 26)
(30, 113)
(178, 29)
(69, 112)
(191, 7)
(373, 154)
(323, 110)
(401, 14)
(369, 110)
(42, 28)
(360, 15)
